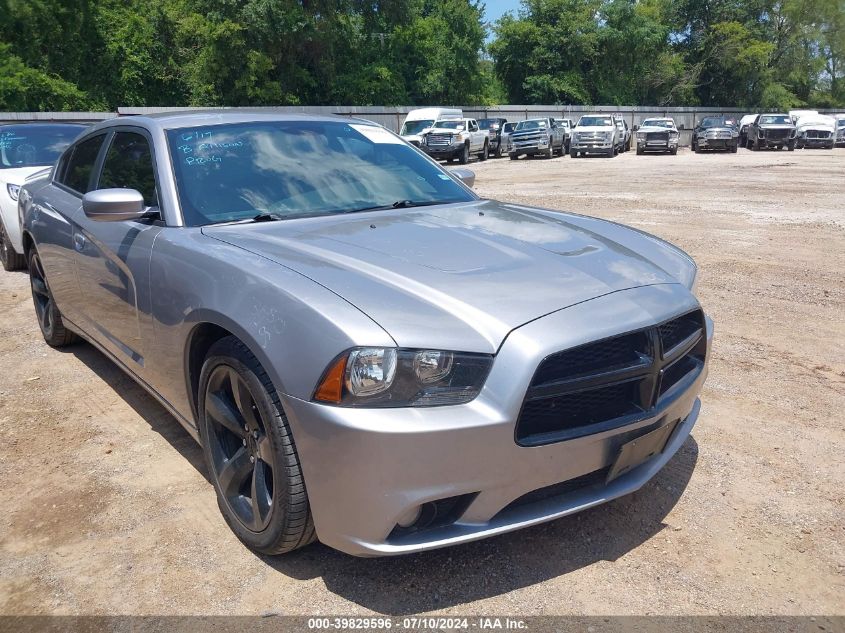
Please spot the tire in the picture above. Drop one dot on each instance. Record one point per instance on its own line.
(485, 152)
(640, 151)
(550, 153)
(611, 152)
(566, 147)
(9, 257)
(734, 148)
(236, 394)
(49, 318)
(463, 159)
(790, 146)
(674, 151)
(513, 156)
(498, 152)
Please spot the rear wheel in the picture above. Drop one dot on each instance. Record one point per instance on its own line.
(8, 256)
(250, 452)
(49, 318)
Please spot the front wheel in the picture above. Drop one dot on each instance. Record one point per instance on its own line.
(464, 157)
(49, 318)
(513, 156)
(573, 152)
(791, 146)
(734, 148)
(8, 255)
(250, 452)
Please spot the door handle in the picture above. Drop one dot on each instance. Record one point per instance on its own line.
(78, 241)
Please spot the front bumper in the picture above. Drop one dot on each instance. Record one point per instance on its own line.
(717, 143)
(816, 142)
(590, 145)
(443, 151)
(367, 468)
(657, 146)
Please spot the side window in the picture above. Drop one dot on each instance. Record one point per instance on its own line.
(473, 126)
(80, 164)
(129, 165)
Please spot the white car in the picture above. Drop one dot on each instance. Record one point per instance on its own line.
(25, 149)
(815, 130)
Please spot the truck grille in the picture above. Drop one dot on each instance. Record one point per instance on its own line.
(718, 134)
(530, 138)
(438, 140)
(661, 137)
(591, 136)
(777, 135)
(613, 382)
(817, 134)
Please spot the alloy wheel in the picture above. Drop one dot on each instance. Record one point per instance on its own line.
(41, 296)
(242, 456)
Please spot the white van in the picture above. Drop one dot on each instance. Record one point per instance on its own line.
(419, 121)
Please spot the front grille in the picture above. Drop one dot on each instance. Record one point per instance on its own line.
(777, 135)
(438, 140)
(821, 134)
(526, 137)
(591, 136)
(657, 136)
(613, 382)
(719, 135)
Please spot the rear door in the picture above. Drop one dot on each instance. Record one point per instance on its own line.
(52, 214)
(113, 258)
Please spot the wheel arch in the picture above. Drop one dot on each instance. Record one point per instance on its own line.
(208, 328)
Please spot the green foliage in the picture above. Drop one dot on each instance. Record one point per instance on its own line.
(759, 53)
(100, 54)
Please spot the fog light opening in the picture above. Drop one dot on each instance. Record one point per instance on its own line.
(410, 517)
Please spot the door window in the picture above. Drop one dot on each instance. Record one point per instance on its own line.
(77, 174)
(129, 165)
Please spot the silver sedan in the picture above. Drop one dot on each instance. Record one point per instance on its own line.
(368, 352)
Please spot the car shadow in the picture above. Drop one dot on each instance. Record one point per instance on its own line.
(444, 578)
(146, 406)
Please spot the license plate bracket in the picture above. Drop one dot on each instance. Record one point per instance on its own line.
(639, 450)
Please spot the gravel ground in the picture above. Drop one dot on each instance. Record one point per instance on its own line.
(108, 509)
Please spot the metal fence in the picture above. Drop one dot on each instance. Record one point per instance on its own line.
(392, 117)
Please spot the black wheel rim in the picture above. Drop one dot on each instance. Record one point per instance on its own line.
(242, 457)
(41, 296)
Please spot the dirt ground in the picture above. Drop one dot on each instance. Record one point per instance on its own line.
(107, 509)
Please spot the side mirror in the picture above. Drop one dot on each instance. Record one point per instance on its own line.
(113, 205)
(466, 176)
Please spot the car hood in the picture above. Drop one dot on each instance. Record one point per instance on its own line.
(461, 276)
(595, 128)
(17, 175)
(656, 128)
(826, 126)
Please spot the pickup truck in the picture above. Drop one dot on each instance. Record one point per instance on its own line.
(657, 135)
(770, 131)
(623, 134)
(494, 128)
(536, 136)
(458, 138)
(567, 125)
(595, 134)
(715, 132)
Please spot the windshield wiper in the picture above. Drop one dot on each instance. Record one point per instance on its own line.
(264, 216)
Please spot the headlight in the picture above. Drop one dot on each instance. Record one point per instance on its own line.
(641, 135)
(674, 134)
(390, 377)
(13, 190)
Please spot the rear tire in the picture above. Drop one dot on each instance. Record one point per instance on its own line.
(49, 318)
(9, 257)
(250, 452)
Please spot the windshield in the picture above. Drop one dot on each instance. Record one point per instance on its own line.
(415, 127)
(840, 122)
(34, 145)
(595, 121)
(509, 127)
(535, 124)
(292, 169)
(716, 121)
(489, 124)
(776, 119)
(450, 125)
(562, 122)
(658, 123)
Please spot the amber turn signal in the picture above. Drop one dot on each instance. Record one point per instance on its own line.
(331, 387)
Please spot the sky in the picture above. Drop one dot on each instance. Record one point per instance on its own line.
(496, 8)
